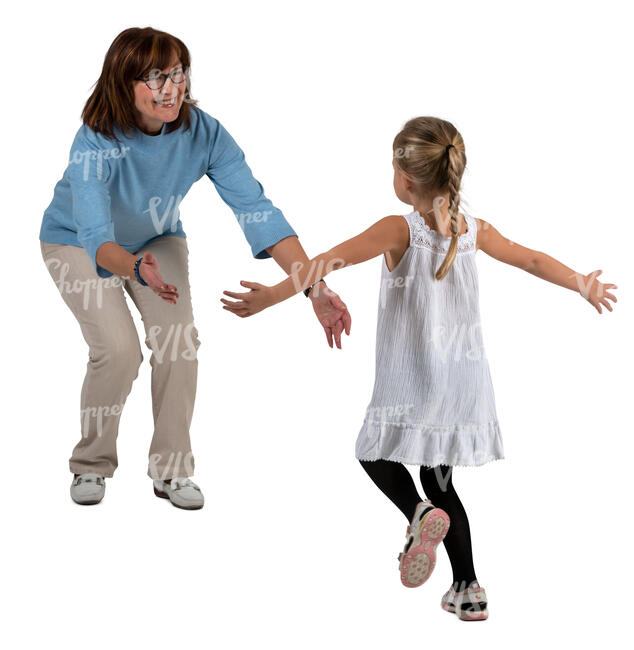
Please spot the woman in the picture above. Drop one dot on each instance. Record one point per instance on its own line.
(114, 220)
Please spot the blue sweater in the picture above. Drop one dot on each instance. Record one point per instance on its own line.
(129, 191)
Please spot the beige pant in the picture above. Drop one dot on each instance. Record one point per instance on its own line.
(100, 306)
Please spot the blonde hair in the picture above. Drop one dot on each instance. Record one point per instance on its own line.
(421, 152)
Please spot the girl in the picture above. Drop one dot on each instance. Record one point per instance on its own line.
(433, 402)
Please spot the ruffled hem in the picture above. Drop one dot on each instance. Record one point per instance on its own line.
(406, 462)
(429, 446)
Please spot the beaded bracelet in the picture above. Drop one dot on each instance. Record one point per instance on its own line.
(136, 271)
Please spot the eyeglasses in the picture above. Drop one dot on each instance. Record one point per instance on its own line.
(156, 80)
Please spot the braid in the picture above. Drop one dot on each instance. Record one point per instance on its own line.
(454, 201)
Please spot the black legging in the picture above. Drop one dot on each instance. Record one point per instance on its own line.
(395, 481)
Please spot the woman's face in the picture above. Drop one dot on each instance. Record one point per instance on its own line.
(153, 107)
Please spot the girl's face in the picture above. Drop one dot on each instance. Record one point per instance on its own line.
(153, 107)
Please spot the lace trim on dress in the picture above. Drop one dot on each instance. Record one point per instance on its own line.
(424, 237)
(405, 461)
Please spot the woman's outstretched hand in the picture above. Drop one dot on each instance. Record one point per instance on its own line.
(331, 312)
(246, 304)
(149, 271)
(595, 292)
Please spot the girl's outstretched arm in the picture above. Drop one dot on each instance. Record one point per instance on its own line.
(543, 266)
(388, 234)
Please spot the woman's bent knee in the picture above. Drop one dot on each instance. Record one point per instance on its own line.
(122, 357)
(173, 342)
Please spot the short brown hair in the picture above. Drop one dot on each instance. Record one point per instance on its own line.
(133, 53)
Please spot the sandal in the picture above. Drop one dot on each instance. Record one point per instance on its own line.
(427, 529)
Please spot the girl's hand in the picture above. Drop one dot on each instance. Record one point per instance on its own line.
(260, 297)
(595, 292)
(149, 271)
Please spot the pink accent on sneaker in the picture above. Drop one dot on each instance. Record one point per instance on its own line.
(417, 563)
(474, 595)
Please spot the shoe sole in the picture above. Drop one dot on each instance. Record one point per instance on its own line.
(88, 503)
(466, 615)
(418, 563)
(164, 495)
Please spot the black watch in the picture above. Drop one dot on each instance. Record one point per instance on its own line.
(307, 291)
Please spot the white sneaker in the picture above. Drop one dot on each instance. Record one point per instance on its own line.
(182, 492)
(470, 604)
(87, 489)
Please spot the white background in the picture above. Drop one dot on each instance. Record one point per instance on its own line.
(295, 547)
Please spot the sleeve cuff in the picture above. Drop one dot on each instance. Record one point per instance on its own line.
(92, 245)
(259, 248)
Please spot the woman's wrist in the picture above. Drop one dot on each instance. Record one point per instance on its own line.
(137, 271)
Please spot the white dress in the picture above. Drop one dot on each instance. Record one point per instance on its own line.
(433, 401)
